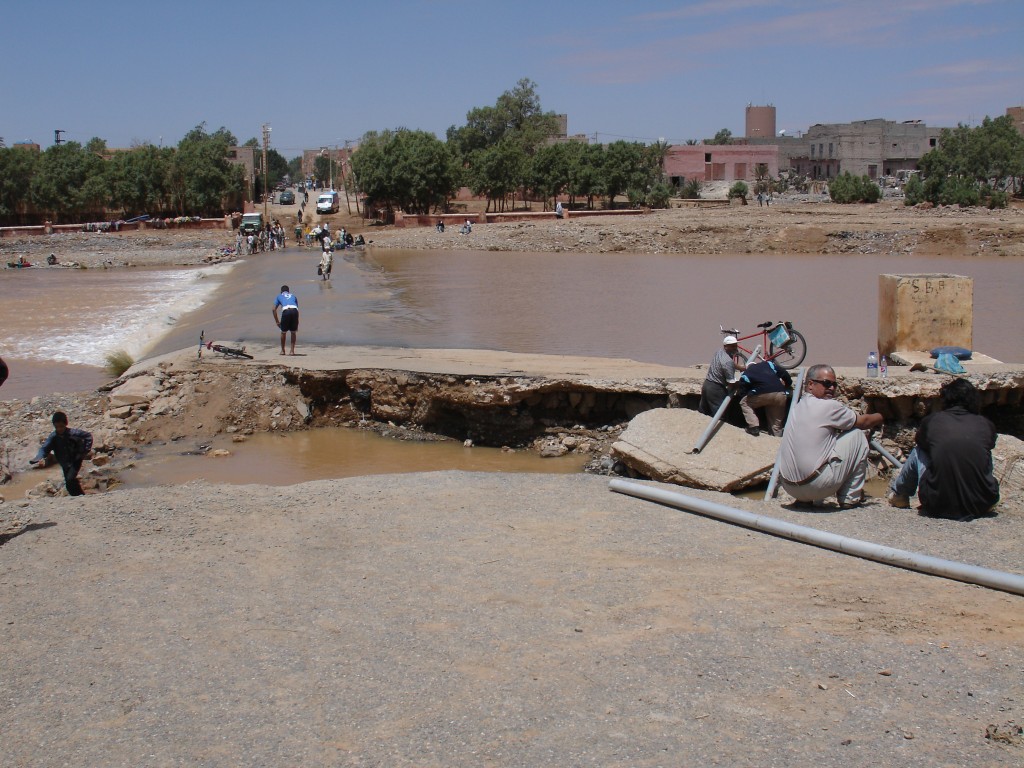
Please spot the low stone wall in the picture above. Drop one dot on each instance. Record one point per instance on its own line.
(714, 203)
(133, 226)
(403, 220)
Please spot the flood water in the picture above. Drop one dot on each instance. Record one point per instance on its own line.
(660, 308)
(649, 307)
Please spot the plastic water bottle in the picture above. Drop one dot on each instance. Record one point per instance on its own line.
(872, 365)
(883, 368)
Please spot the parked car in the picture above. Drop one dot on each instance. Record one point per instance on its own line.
(252, 223)
(287, 197)
(328, 202)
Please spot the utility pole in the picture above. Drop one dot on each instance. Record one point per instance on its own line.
(344, 181)
(56, 136)
(330, 165)
(266, 144)
(355, 180)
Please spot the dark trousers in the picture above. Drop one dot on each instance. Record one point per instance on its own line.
(711, 396)
(71, 478)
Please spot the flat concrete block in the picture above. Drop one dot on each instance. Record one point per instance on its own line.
(658, 444)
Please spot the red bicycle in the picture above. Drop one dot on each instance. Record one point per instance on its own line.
(779, 341)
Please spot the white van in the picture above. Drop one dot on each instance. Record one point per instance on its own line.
(328, 202)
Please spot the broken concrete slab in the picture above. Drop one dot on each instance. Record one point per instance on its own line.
(140, 389)
(658, 445)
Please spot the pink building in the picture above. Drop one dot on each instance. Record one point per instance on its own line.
(720, 162)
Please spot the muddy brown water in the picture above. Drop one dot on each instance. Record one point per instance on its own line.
(317, 454)
(661, 308)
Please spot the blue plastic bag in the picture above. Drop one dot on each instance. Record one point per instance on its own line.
(947, 363)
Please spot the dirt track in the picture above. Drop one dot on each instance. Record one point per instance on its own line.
(458, 619)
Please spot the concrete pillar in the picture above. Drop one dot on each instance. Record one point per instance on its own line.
(921, 312)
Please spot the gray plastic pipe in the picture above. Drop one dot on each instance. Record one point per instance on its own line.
(798, 390)
(716, 420)
(901, 558)
(888, 456)
(713, 425)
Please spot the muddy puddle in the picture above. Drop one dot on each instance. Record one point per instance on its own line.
(319, 454)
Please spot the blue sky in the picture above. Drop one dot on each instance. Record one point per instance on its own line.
(323, 72)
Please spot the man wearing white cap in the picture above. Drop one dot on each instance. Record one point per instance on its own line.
(721, 372)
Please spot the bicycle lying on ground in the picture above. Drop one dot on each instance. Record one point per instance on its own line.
(779, 341)
(229, 351)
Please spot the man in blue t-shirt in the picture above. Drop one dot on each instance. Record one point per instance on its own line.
(289, 319)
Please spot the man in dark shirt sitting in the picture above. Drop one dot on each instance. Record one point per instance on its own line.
(950, 468)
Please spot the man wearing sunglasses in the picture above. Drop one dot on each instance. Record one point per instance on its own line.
(824, 452)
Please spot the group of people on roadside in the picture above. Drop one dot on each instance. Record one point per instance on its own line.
(824, 448)
(269, 238)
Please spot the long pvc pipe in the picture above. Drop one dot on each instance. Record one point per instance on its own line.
(713, 425)
(901, 558)
(716, 420)
(892, 459)
(798, 390)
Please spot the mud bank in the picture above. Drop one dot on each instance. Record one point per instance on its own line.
(552, 405)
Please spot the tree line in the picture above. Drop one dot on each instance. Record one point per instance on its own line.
(73, 182)
(504, 153)
(971, 166)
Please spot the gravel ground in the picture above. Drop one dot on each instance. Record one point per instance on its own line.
(94, 250)
(453, 619)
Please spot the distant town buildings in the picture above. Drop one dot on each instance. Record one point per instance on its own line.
(872, 148)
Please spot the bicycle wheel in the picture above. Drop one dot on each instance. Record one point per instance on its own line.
(791, 355)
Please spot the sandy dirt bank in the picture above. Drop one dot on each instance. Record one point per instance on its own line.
(792, 225)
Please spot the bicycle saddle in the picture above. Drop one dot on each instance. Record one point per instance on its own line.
(765, 325)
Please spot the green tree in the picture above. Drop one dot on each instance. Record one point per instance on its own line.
(913, 190)
(496, 172)
(60, 188)
(658, 196)
(739, 189)
(626, 166)
(322, 168)
(505, 137)
(277, 167)
(586, 163)
(405, 170)
(724, 136)
(691, 189)
(201, 180)
(847, 188)
(516, 116)
(17, 167)
(548, 172)
(138, 180)
(971, 163)
(295, 168)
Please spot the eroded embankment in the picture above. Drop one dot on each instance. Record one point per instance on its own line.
(489, 410)
(181, 399)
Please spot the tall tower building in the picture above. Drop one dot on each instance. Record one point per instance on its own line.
(760, 122)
